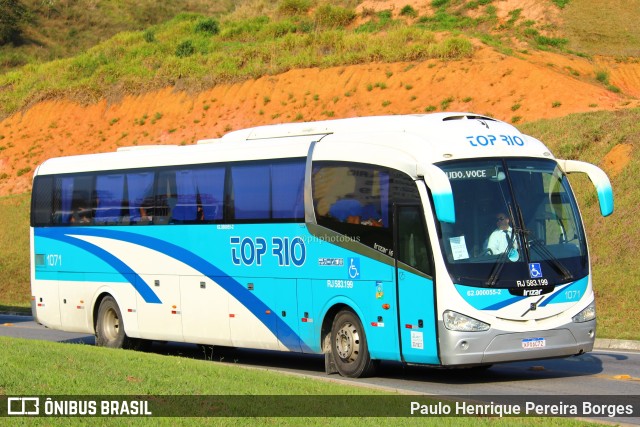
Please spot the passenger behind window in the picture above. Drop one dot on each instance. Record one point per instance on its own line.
(147, 210)
(351, 211)
(81, 215)
(372, 216)
(347, 210)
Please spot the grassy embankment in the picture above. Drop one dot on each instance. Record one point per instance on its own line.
(251, 38)
(55, 29)
(54, 369)
(613, 241)
(193, 52)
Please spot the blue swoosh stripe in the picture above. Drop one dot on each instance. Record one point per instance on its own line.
(502, 304)
(558, 292)
(259, 309)
(140, 285)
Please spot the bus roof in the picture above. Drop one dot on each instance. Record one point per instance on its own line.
(429, 138)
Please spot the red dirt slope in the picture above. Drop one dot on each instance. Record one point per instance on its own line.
(514, 89)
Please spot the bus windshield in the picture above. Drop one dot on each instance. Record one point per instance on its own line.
(516, 221)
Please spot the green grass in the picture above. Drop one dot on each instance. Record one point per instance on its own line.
(609, 29)
(53, 369)
(57, 29)
(133, 62)
(14, 241)
(121, 49)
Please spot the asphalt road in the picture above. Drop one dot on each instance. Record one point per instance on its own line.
(601, 372)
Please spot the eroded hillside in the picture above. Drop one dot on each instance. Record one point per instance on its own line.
(519, 87)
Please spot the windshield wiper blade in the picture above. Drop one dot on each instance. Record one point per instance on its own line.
(549, 256)
(529, 242)
(497, 268)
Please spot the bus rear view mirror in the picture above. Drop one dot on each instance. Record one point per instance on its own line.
(599, 179)
(437, 180)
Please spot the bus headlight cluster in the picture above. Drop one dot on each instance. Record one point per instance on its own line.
(587, 314)
(459, 322)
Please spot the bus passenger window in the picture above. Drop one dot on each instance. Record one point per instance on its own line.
(268, 191)
(108, 199)
(140, 193)
(73, 200)
(413, 245)
(356, 200)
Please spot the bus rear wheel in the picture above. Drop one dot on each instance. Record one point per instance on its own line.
(349, 346)
(110, 326)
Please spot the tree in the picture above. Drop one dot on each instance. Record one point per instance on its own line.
(13, 15)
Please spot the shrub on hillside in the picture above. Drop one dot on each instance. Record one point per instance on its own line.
(184, 49)
(329, 16)
(13, 15)
(208, 26)
(294, 7)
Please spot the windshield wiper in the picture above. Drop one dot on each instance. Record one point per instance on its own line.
(542, 248)
(549, 256)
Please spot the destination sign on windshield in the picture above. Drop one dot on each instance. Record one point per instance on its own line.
(475, 173)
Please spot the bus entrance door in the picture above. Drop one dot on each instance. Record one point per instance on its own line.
(416, 292)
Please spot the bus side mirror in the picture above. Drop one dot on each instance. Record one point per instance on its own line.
(599, 179)
(438, 182)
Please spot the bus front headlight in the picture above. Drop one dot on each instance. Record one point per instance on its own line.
(459, 322)
(587, 314)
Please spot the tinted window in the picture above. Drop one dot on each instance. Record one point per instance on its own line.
(413, 245)
(257, 191)
(251, 191)
(41, 200)
(356, 200)
(73, 200)
(287, 189)
(108, 198)
(191, 195)
(268, 191)
(140, 196)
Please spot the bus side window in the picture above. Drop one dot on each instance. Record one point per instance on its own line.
(42, 202)
(108, 198)
(267, 191)
(72, 200)
(197, 196)
(356, 199)
(160, 204)
(413, 244)
(140, 194)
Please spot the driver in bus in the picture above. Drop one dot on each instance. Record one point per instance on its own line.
(502, 237)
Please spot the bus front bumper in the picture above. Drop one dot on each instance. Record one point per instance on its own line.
(495, 346)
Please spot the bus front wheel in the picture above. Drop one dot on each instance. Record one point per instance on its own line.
(110, 326)
(349, 346)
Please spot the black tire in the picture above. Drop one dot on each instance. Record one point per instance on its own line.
(110, 326)
(349, 346)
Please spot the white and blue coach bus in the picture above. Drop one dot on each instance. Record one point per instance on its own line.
(364, 239)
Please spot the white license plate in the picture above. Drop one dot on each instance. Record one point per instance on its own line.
(533, 343)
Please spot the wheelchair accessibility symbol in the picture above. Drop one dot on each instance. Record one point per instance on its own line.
(535, 272)
(354, 268)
